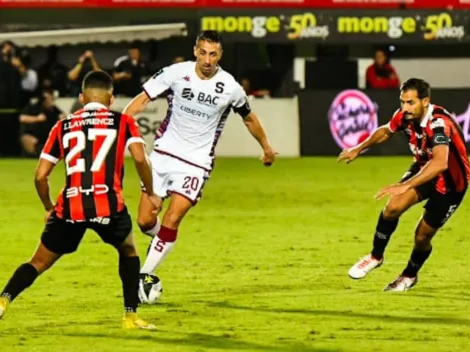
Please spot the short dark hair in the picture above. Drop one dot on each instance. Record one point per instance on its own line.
(97, 80)
(419, 85)
(209, 36)
(135, 45)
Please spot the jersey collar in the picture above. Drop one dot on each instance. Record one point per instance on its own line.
(94, 106)
(424, 122)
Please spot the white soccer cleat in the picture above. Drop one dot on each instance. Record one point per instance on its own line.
(401, 283)
(364, 266)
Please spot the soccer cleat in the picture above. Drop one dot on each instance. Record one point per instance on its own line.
(401, 283)
(364, 266)
(4, 302)
(132, 321)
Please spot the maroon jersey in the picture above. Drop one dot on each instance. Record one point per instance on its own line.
(438, 127)
(92, 142)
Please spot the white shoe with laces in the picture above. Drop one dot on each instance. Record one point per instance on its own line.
(364, 266)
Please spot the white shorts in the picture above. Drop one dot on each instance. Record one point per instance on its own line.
(172, 175)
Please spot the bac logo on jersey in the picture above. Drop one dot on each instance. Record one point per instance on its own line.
(187, 94)
(207, 99)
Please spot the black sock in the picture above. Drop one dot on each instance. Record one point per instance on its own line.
(383, 232)
(416, 261)
(23, 277)
(129, 269)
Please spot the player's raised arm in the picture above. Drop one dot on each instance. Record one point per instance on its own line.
(156, 85)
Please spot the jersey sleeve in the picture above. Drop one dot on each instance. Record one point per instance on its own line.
(132, 131)
(440, 131)
(159, 82)
(395, 123)
(240, 101)
(53, 150)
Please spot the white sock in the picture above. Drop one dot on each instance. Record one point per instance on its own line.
(154, 230)
(158, 251)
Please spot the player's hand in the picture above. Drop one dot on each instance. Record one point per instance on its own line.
(348, 155)
(156, 202)
(269, 155)
(392, 191)
(48, 215)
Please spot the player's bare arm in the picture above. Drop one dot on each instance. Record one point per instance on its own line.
(434, 167)
(144, 170)
(254, 125)
(137, 105)
(380, 135)
(437, 165)
(41, 182)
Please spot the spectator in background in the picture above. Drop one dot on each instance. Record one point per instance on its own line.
(10, 99)
(130, 72)
(178, 59)
(36, 120)
(260, 93)
(381, 75)
(29, 80)
(53, 74)
(86, 63)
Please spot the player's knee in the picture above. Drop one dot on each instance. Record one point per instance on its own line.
(423, 235)
(171, 219)
(422, 238)
(41, 265)
(127, 250)
(392, 210)
(145, 222)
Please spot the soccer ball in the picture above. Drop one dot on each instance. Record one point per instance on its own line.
(150, 289)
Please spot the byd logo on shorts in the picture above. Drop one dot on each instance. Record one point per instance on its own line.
(352, 118)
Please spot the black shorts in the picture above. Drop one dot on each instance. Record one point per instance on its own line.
(63, 236)
(439, 207)
(38, 133)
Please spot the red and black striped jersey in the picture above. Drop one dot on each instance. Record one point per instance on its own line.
(92, 143)
(438, 127)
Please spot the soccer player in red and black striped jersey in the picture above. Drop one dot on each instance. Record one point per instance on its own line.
(92, 143)
(440, 174)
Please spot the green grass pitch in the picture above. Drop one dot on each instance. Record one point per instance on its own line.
(260, 265)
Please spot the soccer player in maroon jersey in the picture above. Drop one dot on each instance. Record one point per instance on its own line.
(440, 174)
(92, 142)
(185, 144)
